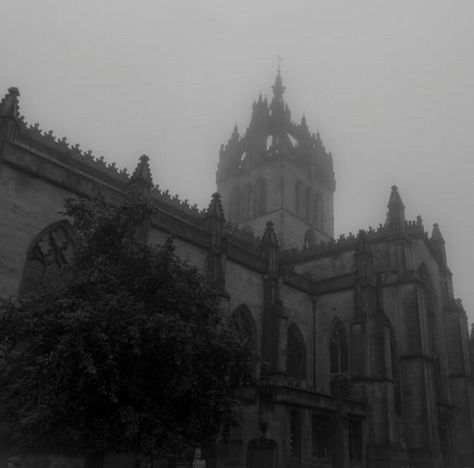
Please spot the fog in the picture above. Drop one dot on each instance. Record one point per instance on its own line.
(388, 84)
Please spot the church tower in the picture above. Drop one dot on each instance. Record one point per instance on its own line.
(280, 172)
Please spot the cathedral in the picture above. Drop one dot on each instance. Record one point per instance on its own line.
(365, 355)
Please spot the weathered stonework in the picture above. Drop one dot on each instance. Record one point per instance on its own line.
(365, 353)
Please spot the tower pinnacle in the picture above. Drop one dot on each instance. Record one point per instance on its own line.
(278, 88)
(396, 211)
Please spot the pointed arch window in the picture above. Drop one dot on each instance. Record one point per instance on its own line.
(315, 212)
(308, 204)
(338, 350)
(51, 249)
(260, 200)
(234, 205)
(299, 197)
(395, 370)
(246, 203)
(242, 322)
(296, 354)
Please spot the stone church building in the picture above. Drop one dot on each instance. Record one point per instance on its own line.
(365, 352)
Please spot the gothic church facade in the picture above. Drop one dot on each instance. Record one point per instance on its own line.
(365, 353)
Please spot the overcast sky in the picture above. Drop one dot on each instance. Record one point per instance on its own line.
(388, 83)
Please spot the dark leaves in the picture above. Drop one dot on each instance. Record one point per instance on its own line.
(126, 352)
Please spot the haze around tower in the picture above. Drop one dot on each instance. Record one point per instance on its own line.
(388, 85)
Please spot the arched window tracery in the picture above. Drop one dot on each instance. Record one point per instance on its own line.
(51, 250)
(338, 349)
(296, 354)
(339, 361)
(243, 323)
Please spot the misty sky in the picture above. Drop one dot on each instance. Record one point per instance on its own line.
(389, 84)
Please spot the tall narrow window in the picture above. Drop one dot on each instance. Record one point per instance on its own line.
(299, 197)
(296, 354)
(234, 206)
(242, 322)
(295, 433)
(321, 436)
(246, 208)
(315, 212)
(308, 204)
(395, 376)
(355, 443)
(260, 199)
(338, 350)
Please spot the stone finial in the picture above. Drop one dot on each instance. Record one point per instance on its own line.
(269, 236)
(141, 177)
(9, 105)
(395, 199)
(436, 235)
(215, 209)
(278, 88)
(303, 124)
(396, 211)
(439, 245)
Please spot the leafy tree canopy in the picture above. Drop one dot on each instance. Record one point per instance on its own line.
(125, 352)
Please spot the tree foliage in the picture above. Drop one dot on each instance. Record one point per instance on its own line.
(125, 352)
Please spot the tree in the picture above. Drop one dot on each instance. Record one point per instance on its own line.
(125, 352)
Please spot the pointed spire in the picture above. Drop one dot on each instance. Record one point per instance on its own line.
(235, 134)
(396, 211)
(303, 124)
(141, 179)
(436, 235)
(437, 241)
(278, 88)
(215, 209)
(9, 106)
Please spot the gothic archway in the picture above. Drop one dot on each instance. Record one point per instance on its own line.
(296, 353)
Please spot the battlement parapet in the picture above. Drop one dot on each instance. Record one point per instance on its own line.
(175, 202)
(60, 147)
(348, 241)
